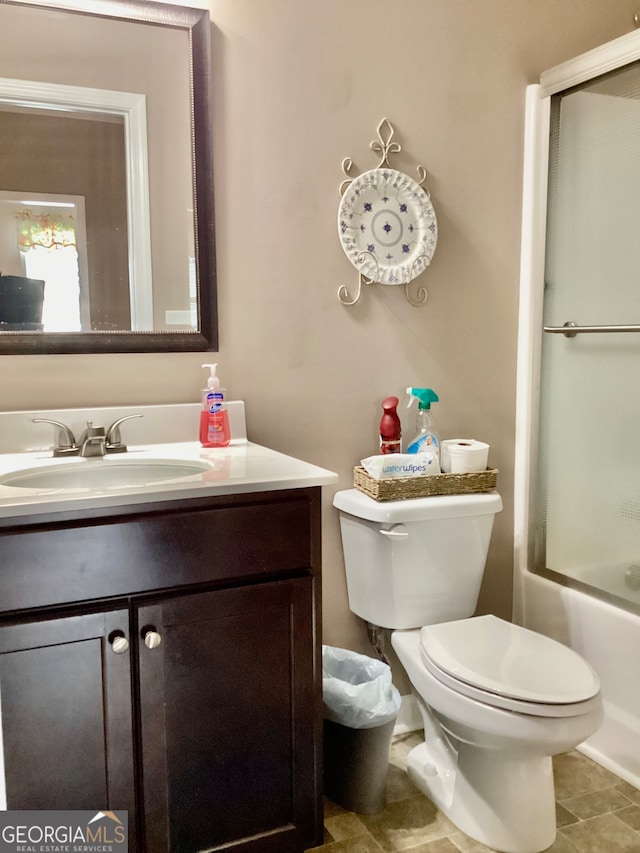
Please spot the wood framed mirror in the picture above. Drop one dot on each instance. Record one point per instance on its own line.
(106, 178)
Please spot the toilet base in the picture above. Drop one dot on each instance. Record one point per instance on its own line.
(504, 803)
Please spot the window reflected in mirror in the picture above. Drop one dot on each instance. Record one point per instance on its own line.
(45, 238)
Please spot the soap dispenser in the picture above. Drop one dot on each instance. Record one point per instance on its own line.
(214, 417)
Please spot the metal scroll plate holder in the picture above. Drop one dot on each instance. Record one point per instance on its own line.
(386, 223)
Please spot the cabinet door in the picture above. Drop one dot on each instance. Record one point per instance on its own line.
(229, 710)
(65, 710)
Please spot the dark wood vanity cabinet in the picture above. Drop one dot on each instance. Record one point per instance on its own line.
(66, 713)
(190, 693)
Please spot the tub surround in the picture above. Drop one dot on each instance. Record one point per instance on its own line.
(603, 634)
(145, 634)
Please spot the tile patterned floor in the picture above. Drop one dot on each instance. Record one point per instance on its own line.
(596, 813)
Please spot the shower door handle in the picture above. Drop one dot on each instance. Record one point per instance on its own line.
(570, 329)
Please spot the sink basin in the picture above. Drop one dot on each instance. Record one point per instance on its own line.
(73, 475)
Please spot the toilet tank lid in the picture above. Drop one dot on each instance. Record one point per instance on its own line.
(356, 503)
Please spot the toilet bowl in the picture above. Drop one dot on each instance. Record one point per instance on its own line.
(497, 700)
(493, 718)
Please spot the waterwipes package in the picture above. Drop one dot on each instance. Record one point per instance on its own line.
(392, 466)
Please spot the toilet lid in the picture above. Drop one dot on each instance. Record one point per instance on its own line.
(507, 660)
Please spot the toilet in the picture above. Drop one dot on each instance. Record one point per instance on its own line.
(496, 699)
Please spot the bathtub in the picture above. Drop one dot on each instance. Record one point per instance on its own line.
(620, 583)
(609, 638)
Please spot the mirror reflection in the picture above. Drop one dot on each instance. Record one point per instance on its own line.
(105, 179)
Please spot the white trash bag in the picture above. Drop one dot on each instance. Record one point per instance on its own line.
(357, 690)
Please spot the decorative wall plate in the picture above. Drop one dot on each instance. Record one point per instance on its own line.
(387, 226)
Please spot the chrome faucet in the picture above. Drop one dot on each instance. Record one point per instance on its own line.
(93, 441)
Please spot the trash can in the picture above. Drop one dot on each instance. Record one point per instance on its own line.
(360, 709)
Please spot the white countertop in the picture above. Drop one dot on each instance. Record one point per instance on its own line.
(240, 468)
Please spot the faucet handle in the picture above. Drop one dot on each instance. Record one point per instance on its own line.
(66, 442)
(113, 441)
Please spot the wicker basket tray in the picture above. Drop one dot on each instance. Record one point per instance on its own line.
(403, 488)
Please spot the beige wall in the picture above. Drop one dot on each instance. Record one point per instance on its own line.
(298, 86)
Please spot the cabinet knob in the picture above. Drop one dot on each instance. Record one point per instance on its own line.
(152, 639)
(120, 644)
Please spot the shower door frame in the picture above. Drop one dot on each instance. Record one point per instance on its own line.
(582, 69)
(596, 629)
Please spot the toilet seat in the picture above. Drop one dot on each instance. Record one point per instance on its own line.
(509, 667)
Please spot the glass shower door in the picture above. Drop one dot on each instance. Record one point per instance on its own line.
(588, 499)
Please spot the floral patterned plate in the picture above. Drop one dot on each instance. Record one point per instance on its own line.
(387, 226)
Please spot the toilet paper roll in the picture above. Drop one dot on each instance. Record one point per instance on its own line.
(463, 455)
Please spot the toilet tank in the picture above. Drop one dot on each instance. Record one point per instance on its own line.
(415, 562)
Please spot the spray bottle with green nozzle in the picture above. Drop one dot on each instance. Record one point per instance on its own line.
(427, 437)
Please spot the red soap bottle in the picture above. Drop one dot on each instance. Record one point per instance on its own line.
(390, 427)
(214, 417)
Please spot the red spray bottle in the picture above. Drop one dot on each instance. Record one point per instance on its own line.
(390, 427)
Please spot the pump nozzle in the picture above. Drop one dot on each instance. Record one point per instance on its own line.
(425, 397)
(212, 381)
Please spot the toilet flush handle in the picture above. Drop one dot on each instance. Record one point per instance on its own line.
(398, 531)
